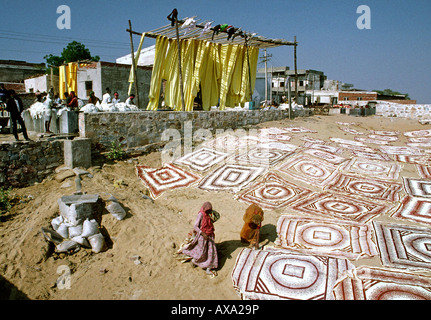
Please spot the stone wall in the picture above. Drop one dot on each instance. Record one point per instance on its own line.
(137, 129)
(24, 163)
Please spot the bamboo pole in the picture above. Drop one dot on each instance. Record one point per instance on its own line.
(296, 72)
(135, 69)
(179, 66)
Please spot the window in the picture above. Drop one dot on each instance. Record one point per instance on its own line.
(346, 98)
(281, 84)
(88, 87)
(359, 98)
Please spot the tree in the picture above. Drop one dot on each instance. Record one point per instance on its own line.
(389, 92)
(75, 51)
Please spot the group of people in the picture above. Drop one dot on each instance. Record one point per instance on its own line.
(13, 104)
(200, 248)
(107, 98)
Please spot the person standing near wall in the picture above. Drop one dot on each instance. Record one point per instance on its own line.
(73, 104)
(15, 106)
(107, 97)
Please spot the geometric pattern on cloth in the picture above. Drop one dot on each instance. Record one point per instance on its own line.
(412, 159)
(261, 156)
(323, 147)
(273, 192)
(418, 133)
(313, 140)
(383, 137)
(277, 274)
(385, 133)
(352, 147)
(299, 130)
(338, 238)
(404, 246)
(279, 137)
(370, 140)
(202, 159)
(351, 130)
(366, 187)
(372, 168)
(345, 207)
(166, 178)
(424, 171)
(309, 170)
(348, 142)
(401, 150)
(414, 209)
(370, 283)
(420, 140)
(230, 177)
(417, 187)
(327, 156)
(372, 155)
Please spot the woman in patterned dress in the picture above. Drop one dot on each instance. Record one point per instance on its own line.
(201, 251)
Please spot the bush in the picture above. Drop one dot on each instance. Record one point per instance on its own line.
(116, 152)
(5, 200)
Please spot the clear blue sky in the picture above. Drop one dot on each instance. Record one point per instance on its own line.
(394, 53)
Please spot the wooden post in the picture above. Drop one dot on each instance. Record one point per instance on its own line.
(179, 67)
(135, 69)
(296, 72)
(249, 69)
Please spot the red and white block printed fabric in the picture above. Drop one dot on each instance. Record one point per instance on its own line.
(166, 178)
(375, 169)
(340, 206)
(370, 283)
(276, 274)
(309, 170)
(323, 147)
(424, 171)
(202, 159)
(401, 150)
(385, 132)
(322, 236)
(273, 192)
(403, 246)
(371, 155)
(418, 133)
(231, 177)
(326, 156)
(261, 156)
(414, 209)
(417, 187)
(366, 187)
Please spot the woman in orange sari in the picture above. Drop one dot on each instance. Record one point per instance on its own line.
(253, 218)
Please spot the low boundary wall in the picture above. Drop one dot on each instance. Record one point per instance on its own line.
(142, 128)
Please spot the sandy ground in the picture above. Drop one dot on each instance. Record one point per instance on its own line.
(152, 230)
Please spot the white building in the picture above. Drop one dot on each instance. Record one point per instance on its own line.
(146, 58)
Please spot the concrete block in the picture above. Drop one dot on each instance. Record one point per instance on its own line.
(75, 209)
(77, 153)
(69, 122)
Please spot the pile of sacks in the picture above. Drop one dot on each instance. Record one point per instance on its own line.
(77, 225)
(108, 107)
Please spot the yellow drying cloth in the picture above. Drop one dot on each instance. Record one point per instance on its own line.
(62, 81)
(221, 72)
(72, 77)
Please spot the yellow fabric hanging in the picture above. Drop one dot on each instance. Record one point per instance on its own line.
(72, 76)
(156, 79)
(62, 81)
(222, 72)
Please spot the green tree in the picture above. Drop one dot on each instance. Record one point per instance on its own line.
(389, 92)
(74, 51)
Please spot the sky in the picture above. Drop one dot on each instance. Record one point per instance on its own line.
(393, 53)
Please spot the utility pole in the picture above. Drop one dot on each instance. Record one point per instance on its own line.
(265, 59)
